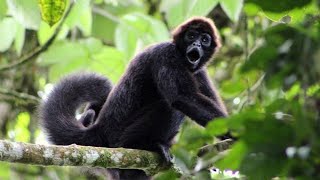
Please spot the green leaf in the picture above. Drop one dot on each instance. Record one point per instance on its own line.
(126, 40)
(85, 22)
(19, 40)
(26, 12)
(234, 157)
(217, 127)
(279, 6)
(296, 15)
(178, 11)
(52, 10)
(45, 32)
(3, 9)
(5, 172)
(63, 52)
(263, 166)
(137, 31)
(7, 32)
(80, 8)
(65, 57)
(98, 28)
(110, 62)
(294, 11)
(232, 8)
(260, 58)
(22, 133)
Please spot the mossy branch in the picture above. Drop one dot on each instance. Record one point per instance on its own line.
(74, 155)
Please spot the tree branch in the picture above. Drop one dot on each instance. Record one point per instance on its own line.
(216, 148)
(36, 51)
(22, 96)
(74, 155)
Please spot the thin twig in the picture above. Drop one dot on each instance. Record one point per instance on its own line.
(22, 96)
(36, 51)
(105, 14)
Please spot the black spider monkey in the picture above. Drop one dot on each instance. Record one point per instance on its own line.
(145, 109)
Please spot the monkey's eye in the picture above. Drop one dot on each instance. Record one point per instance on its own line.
(206, 40)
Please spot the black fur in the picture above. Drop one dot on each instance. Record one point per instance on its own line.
(145, 109)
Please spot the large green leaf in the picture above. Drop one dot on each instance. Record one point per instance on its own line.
(109, 62)
(52, 10)
(26, 12)
(5, 172)
(3, 9)
(177, 11)
(65, 57)
(7, 33)
(19, 39)
(279, 6)
(63, 52)
(45, 32)
(232, 8)
(85, 22)
(138, 30)
(80, 16)
(294, 12)
(21, 130)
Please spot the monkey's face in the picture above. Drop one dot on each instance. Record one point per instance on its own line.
(197, 45)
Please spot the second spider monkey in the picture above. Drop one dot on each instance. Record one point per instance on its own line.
(145, 109)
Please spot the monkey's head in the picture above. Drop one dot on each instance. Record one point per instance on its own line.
(197, 39)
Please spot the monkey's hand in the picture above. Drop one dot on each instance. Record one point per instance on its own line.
(164, 152)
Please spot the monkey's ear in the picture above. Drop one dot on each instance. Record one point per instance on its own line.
(205, 24)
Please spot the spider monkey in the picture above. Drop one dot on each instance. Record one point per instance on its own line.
(144, 110)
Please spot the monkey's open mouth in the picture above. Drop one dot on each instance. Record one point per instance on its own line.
(193, 55)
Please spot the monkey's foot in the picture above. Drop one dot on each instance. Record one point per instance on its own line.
(87, 118)
(164, 152)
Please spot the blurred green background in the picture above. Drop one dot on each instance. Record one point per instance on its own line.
(267, 71)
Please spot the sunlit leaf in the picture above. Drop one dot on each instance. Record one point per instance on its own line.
(79, 9)
(8, 32)
(109, 62)
(52, 10)
(19, 40)
(90, 54)
(5, 170)
(85, 22)
(232, 8)
(178, 11)
(63, 52)
(3, 9)
(137, 31)
(45, 32)
(286, 11)
(281, 6)
(22, 133)
(26, 12)
(234, 158)
(98, 28)
(217, 127)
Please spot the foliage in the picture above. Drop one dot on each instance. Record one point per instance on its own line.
(267, 72)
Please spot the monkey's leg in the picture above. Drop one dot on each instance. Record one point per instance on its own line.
(153, 129)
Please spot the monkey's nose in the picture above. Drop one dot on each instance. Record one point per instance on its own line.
(196, 44)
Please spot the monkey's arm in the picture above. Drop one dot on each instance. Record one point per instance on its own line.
(178, 87)
(207, 88)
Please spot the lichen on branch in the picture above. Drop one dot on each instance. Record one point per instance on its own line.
(74, 155)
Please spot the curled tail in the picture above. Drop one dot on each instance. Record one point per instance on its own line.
(58, 110)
